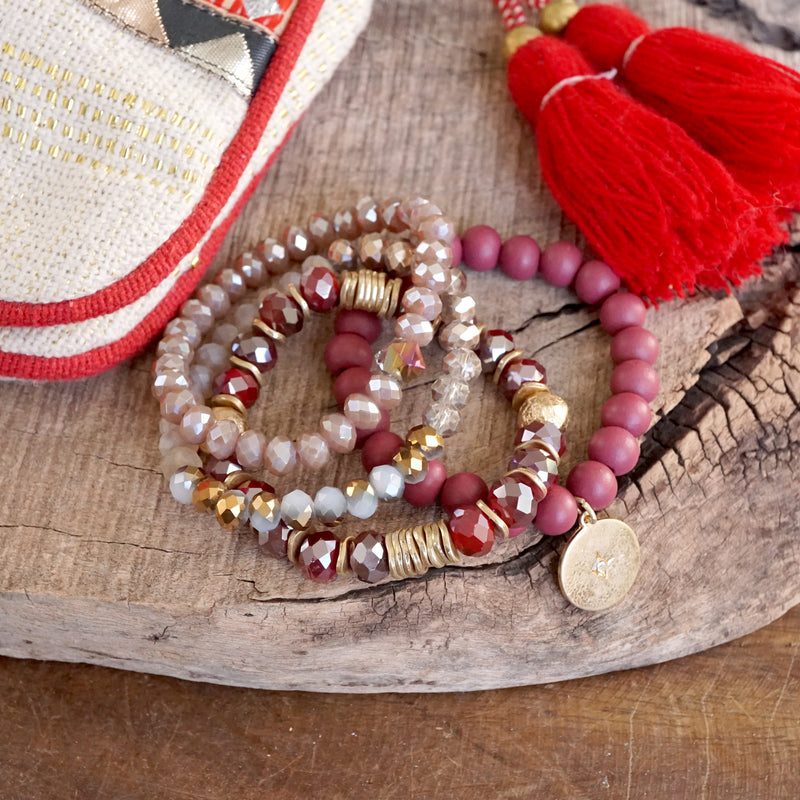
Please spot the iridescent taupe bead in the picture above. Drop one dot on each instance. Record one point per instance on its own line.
(280, 455)
(169, 362)
(175, 404)
(195, 424)
(230, 509)
(426, 439)
(385, 391)
(341, 253)
(494, 344)
(297, 509)
(245, 314)
(321, 230)
(462, 363)
(361, 500)
(368, 215)
(339, 432)
(423, 302)
(414, 328)
(176, 345)
(398, 258)
(232, 282)
(274, 255)
(221, 438)
(434, 253)
(225, 334)
(420, 210)
(432, 276)
(362, 411)
(216, 298)
(458, 308)
(250, 449)
(450, 391)
(180, 326)
(370, 250)
(201, 379)
(459, 334)
(369, 559)
(312, 450)
(199, 313)
(212, 355)
(253, 269)
(390, 215)
(345, 223)
(458, 281)
(298, 243)
(433, 228)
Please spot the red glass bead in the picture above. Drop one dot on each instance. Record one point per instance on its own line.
(513, 501)
(256, 350)
(320, 289)
(462, 489)
(519, 371)
(545, 432)
(281, 313)
(274, 542)
(239, 383)
(472, 531)
(220, 468)
(317, 556)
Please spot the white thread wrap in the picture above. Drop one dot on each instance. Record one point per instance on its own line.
(610, 75)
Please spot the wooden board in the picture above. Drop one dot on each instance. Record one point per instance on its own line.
(100, 565)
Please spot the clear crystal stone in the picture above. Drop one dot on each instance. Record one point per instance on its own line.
(463, 363)
(459, 334)
(443, 418)
(450, 391)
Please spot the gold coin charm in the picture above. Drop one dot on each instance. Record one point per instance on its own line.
(599, 564)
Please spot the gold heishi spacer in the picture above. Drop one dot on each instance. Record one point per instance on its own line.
(544, 407)
(419, 562)
(293, 544)
(525, 391)
(251, 368)
(346, 290)
(237, 479)
(517, 37)
(230, 401)
(450, 552)
(262, 326)
(530, 476)
(511, 355)
(538, 444)
(494, 518)
(299, 299)
(343, 559)
(433, 545)
(556, 15)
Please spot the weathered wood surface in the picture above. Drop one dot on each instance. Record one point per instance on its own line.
(100, 565)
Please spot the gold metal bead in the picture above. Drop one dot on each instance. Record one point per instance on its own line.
(517, 37)
(412, 463)
(544, 407)
(299, 299)
(343, 560)
(511, 355)
(230, 509)
(293, 543)
(262, 326)
(555, 16)
(525, 391)
(499, 523)
(251, 368)
(237, 479)
(206, 494)
(450, 552)
(230, 401)
(426, 438)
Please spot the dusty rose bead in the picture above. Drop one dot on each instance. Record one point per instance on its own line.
(557, 513)
(253, 270)
(216, 298)
(437, 228)
(312, 450)
(424, 302)
(232, 282)
(274, 255)
(175, 404)
(519, 257)
(345, 223)
(178, 345)
(298, 243)
(414, 328)
(350, 381)
(321, 231)
(199, 313)
(212, 355)
(627, 410)
(250, 449)
(221, 438)
(560, 263)
(361, 323)
(594, 482)
(280, 455)
(362, 412)
(616, 448)
(338, 432)
(634, 343)
(195, 424)
(622, 310)
(186, 328)
(169, 381)
(462, 489)
(480, 246)
(346, 350)
(635, 376)
(380, 449)
(363, 434)
(225, 334)
(385, 391)
(425, 492)
(595, 281)
(435, 277)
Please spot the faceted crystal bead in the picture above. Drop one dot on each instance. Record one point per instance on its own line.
(199, 313)
(252, 489)
(212, 355)
(341, 253)
(274, 541)
(407, 207)
(494, 344)
(434, 254)
(436, 228)
(256, 350)
(183, 483)
(273, 254)
(291, 278)
(418, 211)
(402, 359)
(368, 215)
(319, 288)
(412, 463)
(221, 468)
(432, 276)
(472, 531)
(427, 439)
(312, 450)
(280, 455)
(265, 512)
(423, 302)
(387, 482)
(385, 391)
(221, 438)
(330, 505)
(232, 282)
(462, 363)
(195, 424)
(201, 378)
(362, 411)
(186, 328)
(458, 281)
(414, 328)
(206, 493)
(230, 509)
(244, 316)
(169, 381)
(176, 344)
(339, 432)
(361, 500)
(519, 371)
(390, 215)
(253, 269)
(281, 313)
(171, 439)
(175, 404)
(369, 559)
(225, 334)
(321, 231)
(298, 243)
(297, 509)
(345, 223)
(542, 464)
(459, 334)
(317, 556)
(216, 298)
(450, 391)
(169, 362)
(179, 457)
(239, 383)
(398, 257)
(370, 250)
(458, 308)
(513, 501)
(443, 418)
(250, 449)
(543, 431)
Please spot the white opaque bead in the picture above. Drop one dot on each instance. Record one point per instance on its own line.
(280, 455)
(387, 482)
(312, 450)
(330, 505)
(385, 391)
(179, 457)
(182, 485)
(199, 313)
(170, 440)
(216, 298)
(450, 391)
(361, 500)
(225, 334)
(250, 449)
(362, 412)
(297, 509)
(214, 356)
(463, 363)
(221, 438)
(195, 424)
(339, 432)
(243, 317)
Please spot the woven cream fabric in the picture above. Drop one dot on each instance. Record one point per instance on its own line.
(333, 34)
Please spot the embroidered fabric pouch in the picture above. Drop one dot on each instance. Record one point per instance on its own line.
(131, 133)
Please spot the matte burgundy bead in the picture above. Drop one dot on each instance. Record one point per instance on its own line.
(543, 431)
(634, 343)
(462, 489)
(317, 556)
(362, 323)
(274, 542)
(517, 372)
(472, 531)
(595, 281)
(513, 501)
(635, 376)
(627, 410)
(616, 448)
(427, 490)
(519, 257)
(346, 350)
(281, 313)
(380, 449)
(239, 383)
(480, 247)
(353, 380)
(622, 310)
(560, 263)
(557, 513)
(320, 289)
(594, 482)
(384, 425)
(256, 350)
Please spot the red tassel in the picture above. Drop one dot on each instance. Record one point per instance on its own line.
(743, 108)
(665, 214)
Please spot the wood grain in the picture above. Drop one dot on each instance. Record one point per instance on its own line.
(100, 566)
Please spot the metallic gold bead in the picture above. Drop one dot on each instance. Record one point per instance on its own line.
(412, 463)
(206, 494)
(555, 16)
(230, 509)
(236, 479)
(425, 438)
(544, 407)
(229, 401)
(517, 37)
(525, 391)
(265, 511)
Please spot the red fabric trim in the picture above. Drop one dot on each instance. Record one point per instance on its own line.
(93, 362)
(236, 157)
